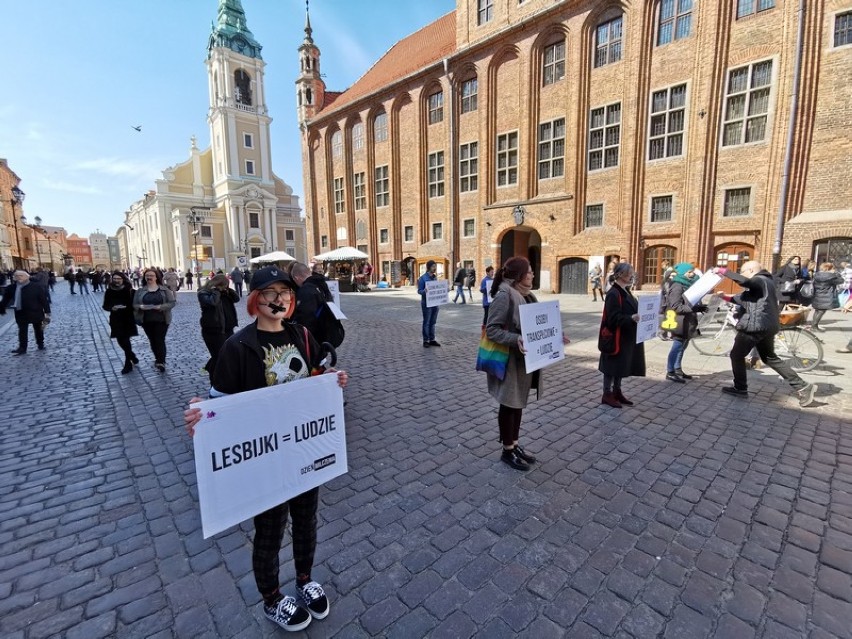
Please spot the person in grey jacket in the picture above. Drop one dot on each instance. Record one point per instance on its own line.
(759, 321)
(512, 287)
(152, 305)
(237, 279)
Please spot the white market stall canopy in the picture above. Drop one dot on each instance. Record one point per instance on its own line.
(341, 254)
(275, 256)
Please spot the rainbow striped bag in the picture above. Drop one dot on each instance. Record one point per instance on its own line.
(492, 358)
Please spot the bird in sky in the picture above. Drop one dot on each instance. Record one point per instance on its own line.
(136, 128)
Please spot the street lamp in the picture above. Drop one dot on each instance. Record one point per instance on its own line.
(195, 218)
(17, 198)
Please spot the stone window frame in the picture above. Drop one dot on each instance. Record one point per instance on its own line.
(607, 128)
(472, 232)
(339, 199)
(381, 180)
(323, 241)
(384, 236)
(254, 219)
(609, 50)
(435, 174)
(437, 230)
(359, 190)
(250, 167)
(846, 15)
(509, 155)
(671, 16)
(469, 167)
(662, 206)
(248, 140)
(739, 119)
(548, 146)
(669, 111)
(380, 127)
(408, 233)
(598, 210)
(553, 62)
(745, 203)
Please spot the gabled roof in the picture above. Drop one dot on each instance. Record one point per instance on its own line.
(421, 49)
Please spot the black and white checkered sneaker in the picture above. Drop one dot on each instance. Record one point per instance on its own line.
(314, 599)
(287, 614)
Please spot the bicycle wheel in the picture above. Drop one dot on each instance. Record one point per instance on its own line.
(799, 347)
(718, 343)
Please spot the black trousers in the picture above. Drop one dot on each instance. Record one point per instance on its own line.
(765, 345)
(23, 333)
(124, 343)
(269, 532)
(156, 332)
(214, 339)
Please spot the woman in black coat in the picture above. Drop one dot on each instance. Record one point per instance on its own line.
(622, 314)
(218, 316)
(118, 301)
(789, 279)
(826, 281)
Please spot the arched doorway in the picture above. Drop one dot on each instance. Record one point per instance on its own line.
(526, 242)
(732, 256)
(574, 276)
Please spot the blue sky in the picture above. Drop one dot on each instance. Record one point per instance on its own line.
(80, 74)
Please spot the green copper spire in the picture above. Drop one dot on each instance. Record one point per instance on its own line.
(232, 32)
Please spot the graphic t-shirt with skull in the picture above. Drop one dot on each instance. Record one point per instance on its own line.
(282, 361)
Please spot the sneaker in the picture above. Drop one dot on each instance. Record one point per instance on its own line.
(527, 457)
(806, 395)
(514, 460)
(287, 614)
(843, 350)
(18, 351)
(733, 390)
(314, 599)
(160, 367)
(433, 343)
(425, 344)
(682, 374)
(674, 377)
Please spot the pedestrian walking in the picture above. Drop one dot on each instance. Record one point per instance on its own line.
(596, 280)
(276, 338)
(430, 313)
(511, 289)
(32, 308)
(51, 280)
(82, 280)
(621, 311)
(189, 277)
(458, 282)
(69, 277)
(171, 280)
(218, 317)
(470, 280)
(153, 305)
(788, 280)
(826, 282)
(118, 302)
(485, 289)
(237, 279)
(312, 298)
(758, 321)
(680, 319)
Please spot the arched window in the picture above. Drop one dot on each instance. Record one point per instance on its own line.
(358, 136)
(608, 37)
(337, 145)
(242, 87)
(380, 127)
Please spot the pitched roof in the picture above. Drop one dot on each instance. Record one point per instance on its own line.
(421, 49)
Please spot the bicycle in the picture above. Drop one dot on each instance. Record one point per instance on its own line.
(793, 343)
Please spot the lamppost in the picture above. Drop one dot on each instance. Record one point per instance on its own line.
(195, 218)
(17, 198)
(36, 229)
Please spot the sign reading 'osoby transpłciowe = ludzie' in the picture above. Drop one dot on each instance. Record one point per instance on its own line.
(257, 449)
(541, 328)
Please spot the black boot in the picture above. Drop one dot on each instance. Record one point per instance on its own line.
(128, 366)
(133, 357)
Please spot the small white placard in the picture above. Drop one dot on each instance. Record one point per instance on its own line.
(704, 285)
(336, 310)
(334, 287)
(257, 449)
(649, 317)
(437, 293)
(541, 330)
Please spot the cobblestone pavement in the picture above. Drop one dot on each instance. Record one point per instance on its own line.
(691, 514)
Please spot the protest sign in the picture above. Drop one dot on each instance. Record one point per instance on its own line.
(437, 293)
(335, 310)
(334, 289)
(649, 317)
(704, 285)
(541, 328)
(257, 449)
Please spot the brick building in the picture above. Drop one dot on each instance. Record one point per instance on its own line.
(575, 131)
(79, 250)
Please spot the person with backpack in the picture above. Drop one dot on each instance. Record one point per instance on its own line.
(312, 310)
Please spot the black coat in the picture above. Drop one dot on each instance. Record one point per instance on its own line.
(218, 312)
(759, 303)
(620, 306)
(35, 302)
(688, 325)
(310, 298)
(825, 290)
(121, 321)
(785, 274)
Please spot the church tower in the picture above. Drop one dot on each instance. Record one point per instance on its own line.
(310, 88)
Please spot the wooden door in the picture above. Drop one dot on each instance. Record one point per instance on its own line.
(732, 256)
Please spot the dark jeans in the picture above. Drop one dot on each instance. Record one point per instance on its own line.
(484, 315)
(817, 318)
(459, 291)
(611, 384)
(156, 332)
(269, 531)
(23, 333)
(765, 345)
(238, 287)
(509, 422)
(430, 318)
(214, 339)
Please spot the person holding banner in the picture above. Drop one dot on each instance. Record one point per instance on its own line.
(274, 349)
(512, 288)
(680, 319)
(621, 310)
(430, 313)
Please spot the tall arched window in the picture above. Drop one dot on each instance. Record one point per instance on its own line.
(337, 145)
(242, 87)
(380, 127)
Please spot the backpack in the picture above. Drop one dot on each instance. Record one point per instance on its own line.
(331, 327)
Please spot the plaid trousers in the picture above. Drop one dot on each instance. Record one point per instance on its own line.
(269, 529)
